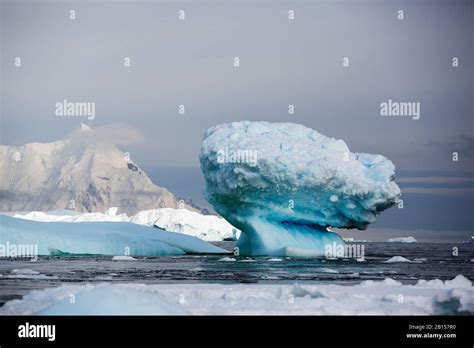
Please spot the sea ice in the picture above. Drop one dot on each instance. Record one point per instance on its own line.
(402, 240)
(123, 258)
(368, 298)
(284, 184)
(26, 273)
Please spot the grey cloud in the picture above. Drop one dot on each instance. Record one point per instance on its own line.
(115, 133)
(436, 179)
(441, 191)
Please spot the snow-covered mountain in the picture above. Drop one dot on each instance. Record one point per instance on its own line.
(82, 173)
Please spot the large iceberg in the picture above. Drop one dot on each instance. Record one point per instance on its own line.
(210, 228)
(99, 238)
(283, 185)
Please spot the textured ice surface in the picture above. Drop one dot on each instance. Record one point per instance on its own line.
(283, 184)
(99, 238)
(367, 298)
(205, 227)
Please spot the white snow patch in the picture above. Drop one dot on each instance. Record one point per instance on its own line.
(111, 211)
(24, 271)
(103, 278)
(327, 270)
(123, 258)
(420, 259)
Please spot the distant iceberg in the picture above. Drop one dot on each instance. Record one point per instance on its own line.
(396, 259)
(284, 184)
(99, 238)
(402, 240)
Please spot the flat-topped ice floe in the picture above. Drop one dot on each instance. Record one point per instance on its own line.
(206, 227)
(402, 240)
(284, 184)
(100, 238)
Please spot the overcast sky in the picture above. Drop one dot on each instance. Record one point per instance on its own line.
(282, 62)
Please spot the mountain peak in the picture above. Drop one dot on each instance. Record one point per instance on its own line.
(85, 128)
(78, 174)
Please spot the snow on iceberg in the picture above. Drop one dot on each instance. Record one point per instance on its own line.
(433, 297)
(206, 227)
(99, 238)
(402, 240)
(284, 184)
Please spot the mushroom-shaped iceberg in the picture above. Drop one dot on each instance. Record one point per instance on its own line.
(283, 185)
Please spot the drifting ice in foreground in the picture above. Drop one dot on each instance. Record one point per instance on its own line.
(99, 238)
(284, 184)
(450, 297)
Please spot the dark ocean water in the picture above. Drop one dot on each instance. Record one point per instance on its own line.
(429, 261)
